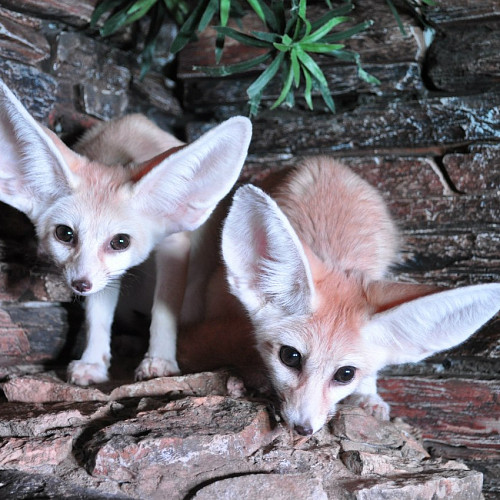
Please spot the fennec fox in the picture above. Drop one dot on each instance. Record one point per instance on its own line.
(308, 265)
(128, 189)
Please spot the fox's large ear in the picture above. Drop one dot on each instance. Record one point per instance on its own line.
(185, 187)
(413, 330)
(34, 167)
(266, 263)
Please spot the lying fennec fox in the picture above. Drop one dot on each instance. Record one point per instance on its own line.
(308, 266)
(103, 209)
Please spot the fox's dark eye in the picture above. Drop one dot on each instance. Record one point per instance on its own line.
(65, 234)
(345, 374)
(120, 242)
(290, 356)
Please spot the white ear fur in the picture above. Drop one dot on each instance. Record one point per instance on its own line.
(416, 329)
(265, 260)
(186, 187)
(32, 170)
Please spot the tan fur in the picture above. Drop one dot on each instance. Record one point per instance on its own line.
(339, 216)
(110, 142)
(348, 238)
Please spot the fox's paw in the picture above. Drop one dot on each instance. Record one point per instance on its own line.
(81, 373)
(372, 404)
(156, 367)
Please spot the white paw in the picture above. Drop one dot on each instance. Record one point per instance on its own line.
(373, 404)
(81, 373)
(156, 367)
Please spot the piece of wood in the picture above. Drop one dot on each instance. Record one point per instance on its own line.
(34, 333)
(398, 124)
(460, 411)
(465, 60)
(455, 11)
(76, 13)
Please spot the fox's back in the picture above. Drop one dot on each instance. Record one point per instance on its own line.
(130, 139)
(342, 219)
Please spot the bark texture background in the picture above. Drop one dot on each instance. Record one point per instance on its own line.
(428, 137)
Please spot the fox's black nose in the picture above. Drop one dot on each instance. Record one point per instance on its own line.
(303, 430)
(81, 286)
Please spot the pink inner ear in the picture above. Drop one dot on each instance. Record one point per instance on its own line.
(147, 166)
(261, 243)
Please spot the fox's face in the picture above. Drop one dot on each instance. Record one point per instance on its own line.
(309, 377)
(95, 240)
(316, 359)
(323, 333)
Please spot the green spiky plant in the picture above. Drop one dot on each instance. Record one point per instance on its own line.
(289, 39)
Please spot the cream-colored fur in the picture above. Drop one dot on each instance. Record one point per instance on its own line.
(102, 209)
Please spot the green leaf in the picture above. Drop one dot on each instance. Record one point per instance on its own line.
(343, 9)
(269, 16)
(311, 65)
(102, 8)
(187, 31)
(321, 48)
(367, 77)
(295, 65)
(324, 30)
(348, 33)
(266, 76)
(286, 89)
(178, 9)
(207, 15)
(242, 37)
(279, 16)
(266, 36)
(231, 69)
(302, 8)
(254, 103)
(302, 17)
(225, 7)
(308, 88)
(293, 26)
(258, 9)
(147, 55)
(346, 55)
(139, 10)
(219, 47)
(396, 15)
(327, 97)
(114, 23)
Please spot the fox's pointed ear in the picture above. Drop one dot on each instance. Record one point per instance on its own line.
(34, 167)
(184, 188)
(413, 330)
(266, 263)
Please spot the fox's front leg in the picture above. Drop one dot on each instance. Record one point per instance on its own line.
(367, 397)
(172, 258)
(93, 366)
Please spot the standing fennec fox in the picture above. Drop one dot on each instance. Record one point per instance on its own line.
(129, 188)
(308, 266)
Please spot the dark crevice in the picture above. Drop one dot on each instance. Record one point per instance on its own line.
(191, 494)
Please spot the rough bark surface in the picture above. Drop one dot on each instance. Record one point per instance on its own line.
(428, 137)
